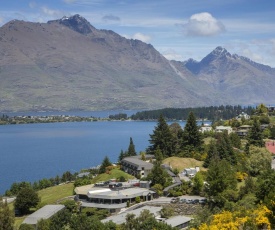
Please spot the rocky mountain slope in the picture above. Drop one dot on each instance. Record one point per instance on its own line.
(68, 64)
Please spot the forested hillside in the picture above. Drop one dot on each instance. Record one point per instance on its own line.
(208, 113)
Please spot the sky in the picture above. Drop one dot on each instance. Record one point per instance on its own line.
(178, 29)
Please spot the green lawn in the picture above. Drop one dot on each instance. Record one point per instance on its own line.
(181, 163)
(114, 174)
(52, 194)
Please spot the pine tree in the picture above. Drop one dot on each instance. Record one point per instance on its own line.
(176, 132)
(131, 148)
(105, 163)
(235, 140)
(211, 153)
(158, 175)
(121, 156)
(161, 138)
(220, 177)
(255, 136)
(192, 138)
(225, 149)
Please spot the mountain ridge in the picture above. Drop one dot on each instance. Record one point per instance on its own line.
(67, 64)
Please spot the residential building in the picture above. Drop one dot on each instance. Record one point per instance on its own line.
(114, 199)
(205, 128)
(179, 222)
(243, 115)
(271, 108)
(137, 167)
(43, 213)
(243, 130)
(220, 129)
(190, 172)
(121, 218)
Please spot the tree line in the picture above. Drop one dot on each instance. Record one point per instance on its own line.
(211, 113)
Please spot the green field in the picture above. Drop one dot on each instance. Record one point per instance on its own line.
(181, 163)
(114, 174)
(52, 194)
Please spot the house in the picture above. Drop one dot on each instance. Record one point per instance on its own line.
(220, 129)
(137, 167)
(114, 199)
(43, 213)
(168, 169)
(271, 108)
(179, 222)
(205, 128)
(121, 218)
(243, 115)
(190, 172)
(243, 130)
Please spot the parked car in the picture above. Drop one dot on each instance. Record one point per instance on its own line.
(115, 184)
(182, 200)
(195, 201)
(189, 201)
(175, 200)
(202, 201)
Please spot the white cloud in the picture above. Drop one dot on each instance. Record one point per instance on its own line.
(110, 17)
(51, 12)
(252, 55)
(142, 37)
(139, 36)
(258, 50)
(172, 55)
(203, 24)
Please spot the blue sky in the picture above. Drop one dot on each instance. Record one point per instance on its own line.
(179, 29)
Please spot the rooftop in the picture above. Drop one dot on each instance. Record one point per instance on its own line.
(121, 194)
(137, 162)
(177, 220)
(43, 213)
(121, 218)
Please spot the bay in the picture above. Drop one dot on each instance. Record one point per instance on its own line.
(31, 152)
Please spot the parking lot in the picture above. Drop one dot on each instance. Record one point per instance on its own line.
(189, 200)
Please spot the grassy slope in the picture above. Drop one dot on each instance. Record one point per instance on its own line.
(52, 194)
(115, 173)
(48, 196)
(182, 163)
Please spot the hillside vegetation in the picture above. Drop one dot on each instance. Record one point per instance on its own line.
(52, 194)
(182, 163)
(115, 173)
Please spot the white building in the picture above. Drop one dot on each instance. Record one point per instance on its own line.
(243, 115)
(205, 128)
(220, 129)
(43, 213)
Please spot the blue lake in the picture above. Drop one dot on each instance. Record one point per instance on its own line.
(34, 151)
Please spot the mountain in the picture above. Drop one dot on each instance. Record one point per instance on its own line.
(67, 64)
(235, 77)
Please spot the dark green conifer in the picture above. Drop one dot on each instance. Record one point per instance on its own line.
(192, 138)
(105, 163)
(131, 148)
(161, 138)
(255, 136)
